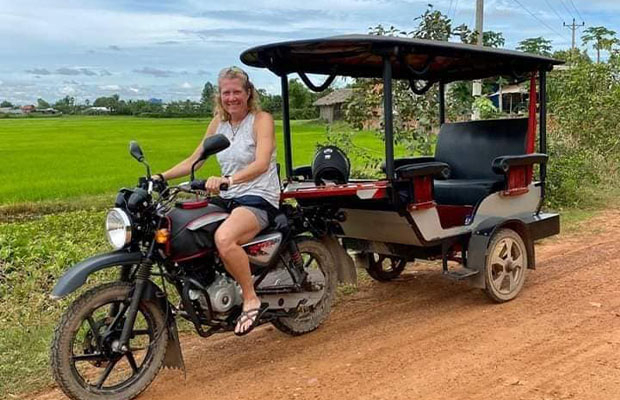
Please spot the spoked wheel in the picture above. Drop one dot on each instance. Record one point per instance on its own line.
(319, 265)
(385, 268)
(85, 357)
(506, 266)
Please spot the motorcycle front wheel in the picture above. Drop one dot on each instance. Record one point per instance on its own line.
(85, 360)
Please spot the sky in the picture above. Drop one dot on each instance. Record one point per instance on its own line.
(168, 49)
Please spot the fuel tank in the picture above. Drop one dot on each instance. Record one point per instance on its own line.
(192, 230)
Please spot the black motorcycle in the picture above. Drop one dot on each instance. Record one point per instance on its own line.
(113, 339)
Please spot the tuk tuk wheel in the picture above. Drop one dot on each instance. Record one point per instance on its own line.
(385, 268)
(506, 266)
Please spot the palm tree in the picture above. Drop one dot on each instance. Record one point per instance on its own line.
(602, 37)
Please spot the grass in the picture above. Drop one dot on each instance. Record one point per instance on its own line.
(65, 158)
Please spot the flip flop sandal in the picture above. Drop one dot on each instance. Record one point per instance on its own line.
(250, 315)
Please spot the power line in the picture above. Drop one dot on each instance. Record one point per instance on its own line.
(456, 7)
(554, 11)
(539, 20)
(567, 9)
(578, 13)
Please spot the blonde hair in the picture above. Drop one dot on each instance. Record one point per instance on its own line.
(235, 73)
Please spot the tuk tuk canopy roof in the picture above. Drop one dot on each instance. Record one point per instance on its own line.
(361, 56)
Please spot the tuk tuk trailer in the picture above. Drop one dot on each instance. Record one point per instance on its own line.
(475, 201)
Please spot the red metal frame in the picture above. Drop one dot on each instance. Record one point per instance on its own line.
(349, 189)
(450, 216)
(518, 180)
(422, 193)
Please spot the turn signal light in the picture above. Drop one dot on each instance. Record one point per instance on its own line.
(162, 236)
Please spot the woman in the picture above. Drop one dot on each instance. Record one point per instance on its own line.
(249, 168)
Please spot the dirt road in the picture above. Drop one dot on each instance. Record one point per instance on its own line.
(426, 337)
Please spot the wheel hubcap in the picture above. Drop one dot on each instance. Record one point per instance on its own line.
(507, 266)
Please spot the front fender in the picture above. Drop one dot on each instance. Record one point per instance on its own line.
(76, 276)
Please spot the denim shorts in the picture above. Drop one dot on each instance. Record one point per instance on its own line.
(261, 208)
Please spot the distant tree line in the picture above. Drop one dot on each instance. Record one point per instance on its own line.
(300, 103)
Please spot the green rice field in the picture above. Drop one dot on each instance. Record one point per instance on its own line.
(69, 157)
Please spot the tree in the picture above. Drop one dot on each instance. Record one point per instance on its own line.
(603, 39)
(432, 25)
(270, 103)
(114, 103)
(572, 56)
(489, 38)
(299, 95)
(208, 92)
(42, 103)
(66, 105)
(537, 45)
(6, 103)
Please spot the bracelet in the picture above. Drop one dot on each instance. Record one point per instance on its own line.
(230, 179)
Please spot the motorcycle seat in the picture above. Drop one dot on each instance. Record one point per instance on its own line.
(279, 224)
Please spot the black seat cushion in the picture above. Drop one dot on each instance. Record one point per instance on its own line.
(463, 192)
(469, 148)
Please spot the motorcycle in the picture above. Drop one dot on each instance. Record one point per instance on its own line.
(112, 340)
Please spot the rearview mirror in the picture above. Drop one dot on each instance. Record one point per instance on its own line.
(136, 151)
(213, 144)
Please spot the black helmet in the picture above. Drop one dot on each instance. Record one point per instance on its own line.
(330, 164)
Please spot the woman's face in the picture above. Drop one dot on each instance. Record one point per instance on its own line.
(234, 96)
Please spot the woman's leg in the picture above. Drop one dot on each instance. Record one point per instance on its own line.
(239, 228)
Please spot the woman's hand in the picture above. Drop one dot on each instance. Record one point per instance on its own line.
(213, 183)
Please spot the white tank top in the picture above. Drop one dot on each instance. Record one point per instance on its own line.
(242, 152)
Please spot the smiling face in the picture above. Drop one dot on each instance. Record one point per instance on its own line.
(234, 97)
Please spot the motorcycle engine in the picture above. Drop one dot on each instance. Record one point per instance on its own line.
(224, 293)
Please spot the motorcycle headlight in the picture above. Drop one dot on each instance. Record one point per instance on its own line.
(118, 228)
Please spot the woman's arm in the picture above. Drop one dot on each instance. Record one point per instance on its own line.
(185, 167)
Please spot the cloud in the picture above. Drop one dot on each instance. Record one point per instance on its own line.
(115, 48)
(158, 73)
(110, 87)
(266, 16)
(210, 34)
(133, 90)
(104, 72)
(68, 71)
(186, 85)
(38, 71)
(67, 90)
(168, 42)
(87, 72)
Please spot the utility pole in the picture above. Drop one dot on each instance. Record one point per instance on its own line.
(573, 27)
(477, 87)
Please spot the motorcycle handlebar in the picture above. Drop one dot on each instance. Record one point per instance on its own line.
(199, 184)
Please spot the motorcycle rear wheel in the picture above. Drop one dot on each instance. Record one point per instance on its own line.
(315, 255)
(90, 326)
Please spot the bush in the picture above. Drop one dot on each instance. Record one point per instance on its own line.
(304, 113)
(584, 146)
